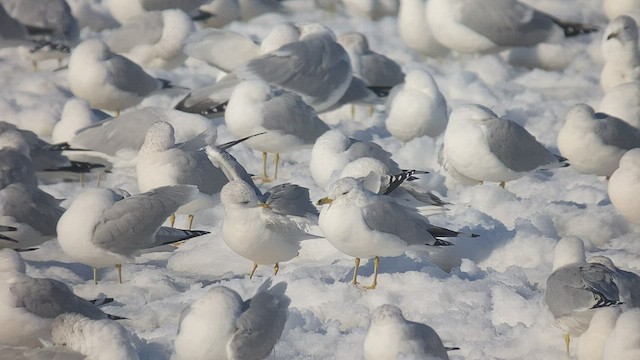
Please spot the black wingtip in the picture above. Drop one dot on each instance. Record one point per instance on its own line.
(26, 249)
(451, 348)
(166, 84)
(202, 16)
(233, 143)
(116, 317)
(380, 91)
(77, 167)
(102, 301)
(62, 147)
(217, 110)
(440, 242)
(575, 29)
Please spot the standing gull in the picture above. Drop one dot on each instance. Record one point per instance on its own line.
(624, 186)
(621, 53)
(266, 228)
(595, 142)
(287, 121)
(221, 326)
(391, 337)
(480, 26)
(107, 227)
(480, 146)
(362, 224)
(575, 288)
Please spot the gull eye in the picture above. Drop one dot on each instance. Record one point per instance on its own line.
(345, 193)
(245, 202)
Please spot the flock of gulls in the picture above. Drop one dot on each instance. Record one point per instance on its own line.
(271, 98)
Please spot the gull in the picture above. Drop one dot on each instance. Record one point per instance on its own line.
(576, 288)
(391, 337)
(253, 8)
(362, 224)
(162, 162)
(595, 142)
(624, 186)
(623, 102)
(628, 283)
(371, 67)
(96, 339)
(415, 29)
(624, 341)
(333, 150)
(153, 39)
(288, 122)
(123, 10)
(116, 83)
(107, 227)
(266, 228)
(377, 178)
(479, 146)
(120, 138)
(221, 326)
(592, 341)
(76, 115)
(416, 108)
(34, 303)
(482, 26)
(621, 53)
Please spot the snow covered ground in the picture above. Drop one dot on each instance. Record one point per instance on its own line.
(484, 295)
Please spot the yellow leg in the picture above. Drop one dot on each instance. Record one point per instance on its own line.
(59, 62)
(371, 108)
(99, 178)
(119, 268)
(276, 267)
(117, 113)
(355, 272)
(95, 276)
(190, 221)
(567, 340)
(265, 177)
(481, 182)
(172, 219)
(81, 180)
(502, 184)
(277, 162)
(353, 112)
(376, 263)
(253, 271)
(35, 65)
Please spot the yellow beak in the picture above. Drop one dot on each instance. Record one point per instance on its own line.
(264, 205)
(324, 201)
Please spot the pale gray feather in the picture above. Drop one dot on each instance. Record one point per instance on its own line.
(128, 76)
(616, 132)
(32, 206)
(379, 70)
(145, 28)
(290, 199)
(16, 168)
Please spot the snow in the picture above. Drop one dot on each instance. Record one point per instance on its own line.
(484, 295)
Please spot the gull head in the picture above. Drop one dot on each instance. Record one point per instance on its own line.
(623, 29)
(311, 30)
(420, 79)
(385, 314)
(354, 41)
(93, 49)
(159, 137)
(345, 190)
(280, 35)
(471, 113)
(239, 194)
(10, 260)
(630, 159)
(252, 91)
(362, 167)
(568, 251)
(12, 139)
(582, 113)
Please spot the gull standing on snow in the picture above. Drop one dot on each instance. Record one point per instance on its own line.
(107, 227)
(287, 121)
(106, 80)
(595, 142)
(266, 229)
(362, 224)
(415, 30)
(481, 26)
(416, 108)
(576, 288)
(333, 150)
(480, 146)
(621, 53)
(34, 302)
(392, 337)
(624, 186)
(162, 162)
(221, 326)
(153, 39)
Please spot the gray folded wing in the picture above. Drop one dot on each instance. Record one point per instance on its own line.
(32, 206)
(231, 168)
(128, 76)
(16, 168)
(379, 70)
(287, 112)
(292, 200)
(616, 132)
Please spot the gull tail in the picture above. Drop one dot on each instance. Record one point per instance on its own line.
(167, 235)
(574, 29)
(25, 249)
(6, 238)
(101, 301)
(437, 232)
(398, 179)
(209, 109)
(562, 163)
(8, 228)
(77, 167)
(202, 16)
(116, 317)
(63, 147)
(451, 348)
(166, 84)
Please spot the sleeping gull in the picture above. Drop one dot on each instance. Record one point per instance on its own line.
(287, 121)
(153, 39)
(595, 142)
(480, 146)
(116, 83)
(107, 227)
(624, 186)
(333, 150)
(266, 228)
(576, 288)
(76, 115)
(391, 337)
(34, 302)
(481, 26)
(415, 30)
(416, 108)
(221, 326)
(362, 224)
(621, 53)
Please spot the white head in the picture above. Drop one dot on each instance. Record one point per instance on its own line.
(333, 140)
(311, 30)
(354, 41)
(569, 250)
(622, 30)
(238, 193)
(631, 159)
(471, 112)
(420, 79)
(386, 314)
(346, 190)
(281, 34)
(12, 139)
(254, 91)
(361, 167)
(10, 260)
(160, 137)
(93, 49)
